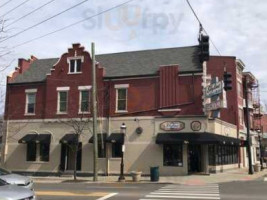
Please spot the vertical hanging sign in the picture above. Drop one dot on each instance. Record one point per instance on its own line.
(217, 96)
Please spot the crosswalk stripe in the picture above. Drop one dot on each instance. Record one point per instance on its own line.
(189, 194)
(188, 191)
(181, 197)
(208, 192)
(173, 189)
(189, 186)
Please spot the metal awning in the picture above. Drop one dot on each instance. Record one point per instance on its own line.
(99, 138)
(69, 139)
(195, 138)
(36, 138)
(115, 138)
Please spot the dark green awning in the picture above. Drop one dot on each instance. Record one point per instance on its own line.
(115, 138)
(36, 138)
(195, 138)
(99, 138)
(69, 139)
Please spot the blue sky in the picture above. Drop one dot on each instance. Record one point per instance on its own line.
(238, 28)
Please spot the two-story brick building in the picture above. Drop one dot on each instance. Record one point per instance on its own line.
(158, 94)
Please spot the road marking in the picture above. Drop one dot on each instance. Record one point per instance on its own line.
(183, 193)
(112, 187)
(73, 194)
(107, 196)
(265, 179)
(208, 192)
(181, 197)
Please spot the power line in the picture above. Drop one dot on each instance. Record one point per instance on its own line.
(24, 16)
(5, 3)
(73, 24)
(192, 9)
(39, 23)
(8, 12)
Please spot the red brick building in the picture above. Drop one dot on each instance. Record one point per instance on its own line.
(158, 94)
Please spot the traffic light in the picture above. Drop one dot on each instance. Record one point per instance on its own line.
(204, 47)
(227, 79)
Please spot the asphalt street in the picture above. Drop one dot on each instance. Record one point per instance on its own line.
(254, 190)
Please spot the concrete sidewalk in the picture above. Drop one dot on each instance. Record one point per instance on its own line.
(228, 176)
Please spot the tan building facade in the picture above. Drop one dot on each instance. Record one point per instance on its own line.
(141, 149)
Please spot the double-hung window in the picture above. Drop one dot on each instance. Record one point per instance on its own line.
(62, 104)
(84, 101)
(84, 105)
(121, 97)
(30, 101)
(75, 64)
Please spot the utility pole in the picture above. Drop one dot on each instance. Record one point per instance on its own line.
(250, 170)
(94, 108)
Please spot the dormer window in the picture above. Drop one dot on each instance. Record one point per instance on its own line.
(75, 64)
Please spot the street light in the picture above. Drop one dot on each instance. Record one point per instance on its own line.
(123, 131)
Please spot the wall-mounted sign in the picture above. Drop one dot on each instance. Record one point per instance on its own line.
(215, 105)
(214, 89)
(215, 94)
(172, 126)
(196, 126)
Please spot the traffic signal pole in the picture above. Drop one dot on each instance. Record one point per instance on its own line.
(250, 170)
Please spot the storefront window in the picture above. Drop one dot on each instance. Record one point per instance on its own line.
(116, 150)
(38, 152)
(31, 151)
(223, 155)
(173, 155)
(212, 154)
(44, 152)
(102, 150)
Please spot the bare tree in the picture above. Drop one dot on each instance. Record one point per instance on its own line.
(78, 125)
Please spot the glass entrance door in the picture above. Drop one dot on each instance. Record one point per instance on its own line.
(194, 158)
(68, 157)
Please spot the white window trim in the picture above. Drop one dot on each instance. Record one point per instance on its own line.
(63, 88)
(85, 88)
(74, 58)
(30, 91)
(121, 86)
(58, 102)
(121, 111)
